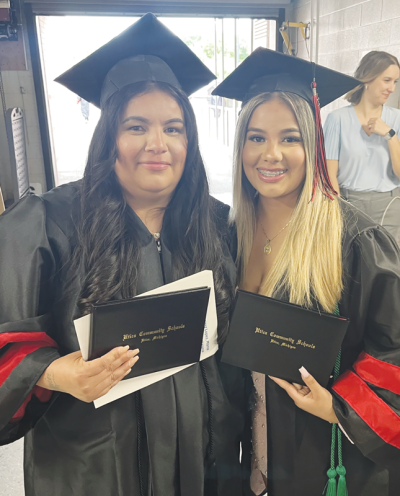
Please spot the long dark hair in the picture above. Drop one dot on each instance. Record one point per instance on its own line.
(109, 250)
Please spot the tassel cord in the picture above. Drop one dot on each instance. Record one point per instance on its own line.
(321, 175)
(332, 487)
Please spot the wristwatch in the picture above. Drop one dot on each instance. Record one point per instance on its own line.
(389, 134)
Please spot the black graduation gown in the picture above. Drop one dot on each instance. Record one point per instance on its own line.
(70, 447)
(367, 392)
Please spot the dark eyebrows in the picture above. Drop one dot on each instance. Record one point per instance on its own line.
(255, 130)
(135, 118)
(288, 130)
(146, 121)
(291, 130)
(179, 121)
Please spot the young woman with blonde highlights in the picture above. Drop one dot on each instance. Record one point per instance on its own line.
(300, 266)
(297, 241)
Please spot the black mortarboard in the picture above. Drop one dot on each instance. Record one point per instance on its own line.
(267, 71)
(146, 51)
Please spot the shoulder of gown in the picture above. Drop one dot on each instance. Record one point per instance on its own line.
(367, 394)
(35, 236)
(225, 225)
(355, 225)
(62, 204)
(220, 211)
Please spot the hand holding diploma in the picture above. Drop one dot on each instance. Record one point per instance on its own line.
(312, 398)
(209, 345)
(88, 381)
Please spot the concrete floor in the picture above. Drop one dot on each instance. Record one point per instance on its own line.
(11, 476)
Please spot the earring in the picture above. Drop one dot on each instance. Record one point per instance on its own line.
(366, 86)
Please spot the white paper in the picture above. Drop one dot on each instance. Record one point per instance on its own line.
(209, 345)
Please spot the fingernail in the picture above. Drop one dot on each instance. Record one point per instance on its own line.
(132, 361)
(128, 371)
(131, 353)
(304, 372)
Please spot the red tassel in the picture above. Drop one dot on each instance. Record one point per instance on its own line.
(321, 176)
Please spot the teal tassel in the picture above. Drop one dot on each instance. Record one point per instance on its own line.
(341, 487)
(331, 484)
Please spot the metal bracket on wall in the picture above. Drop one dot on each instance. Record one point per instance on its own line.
(12, 46)
(8, 21)
(284, 30)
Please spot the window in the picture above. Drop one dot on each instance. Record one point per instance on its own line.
(221, 43)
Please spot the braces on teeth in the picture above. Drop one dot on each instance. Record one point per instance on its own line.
(271, 174)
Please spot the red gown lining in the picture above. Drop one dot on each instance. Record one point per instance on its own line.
(372, 409)
(24, 343)
(379, 373)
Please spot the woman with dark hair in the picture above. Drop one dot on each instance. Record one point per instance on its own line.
(362, 144)
(299, 242)
(141, 217)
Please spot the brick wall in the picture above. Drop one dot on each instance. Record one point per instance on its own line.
(348, 29)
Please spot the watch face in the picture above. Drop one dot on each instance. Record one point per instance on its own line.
(391, 133)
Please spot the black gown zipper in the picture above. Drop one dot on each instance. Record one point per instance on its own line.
(211, 479)
(141, 430)
(140, 433)
(158, 243)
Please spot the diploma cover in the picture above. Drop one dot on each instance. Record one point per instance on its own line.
(276, 338)
(167, 328)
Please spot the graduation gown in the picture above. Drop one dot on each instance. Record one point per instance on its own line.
(366, 396)
(156, 441)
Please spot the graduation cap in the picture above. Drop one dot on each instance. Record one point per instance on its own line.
(267, 71)
(146, 51)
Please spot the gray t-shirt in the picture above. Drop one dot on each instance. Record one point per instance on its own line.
(364, 161)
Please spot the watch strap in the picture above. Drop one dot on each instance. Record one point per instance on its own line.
(390, 134)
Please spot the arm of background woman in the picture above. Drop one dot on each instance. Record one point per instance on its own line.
(378, 126)
(333, 169)
(367, 397)
(394, 150)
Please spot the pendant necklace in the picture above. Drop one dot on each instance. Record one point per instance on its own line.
(267, 246)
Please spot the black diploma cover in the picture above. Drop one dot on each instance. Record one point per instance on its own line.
(277, 338)
(167, 328)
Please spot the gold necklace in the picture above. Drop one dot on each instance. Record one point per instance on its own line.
(267, 246)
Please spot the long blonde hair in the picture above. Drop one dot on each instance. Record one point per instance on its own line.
(308, 266)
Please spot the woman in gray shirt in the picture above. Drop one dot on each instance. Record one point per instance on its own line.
(362, 145)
